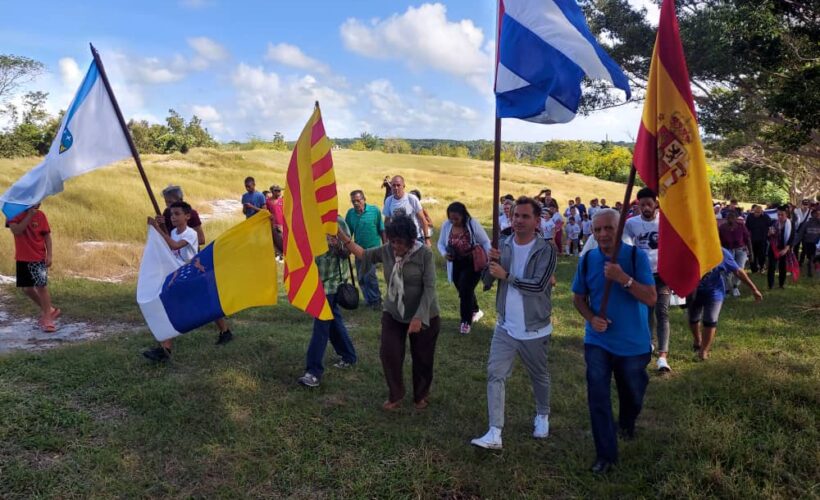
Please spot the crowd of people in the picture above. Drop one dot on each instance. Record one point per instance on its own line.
(535, 232)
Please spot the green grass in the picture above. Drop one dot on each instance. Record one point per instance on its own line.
(96, 420)
(111, 205)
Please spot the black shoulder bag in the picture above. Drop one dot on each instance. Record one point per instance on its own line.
(347, 295)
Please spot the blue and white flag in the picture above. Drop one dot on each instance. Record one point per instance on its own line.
(544, 50)
(89, 137)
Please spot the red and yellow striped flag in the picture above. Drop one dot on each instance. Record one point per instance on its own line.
(311, 208)
(669, 158)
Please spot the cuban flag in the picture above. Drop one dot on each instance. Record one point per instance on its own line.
(544, 50)
(90, 136)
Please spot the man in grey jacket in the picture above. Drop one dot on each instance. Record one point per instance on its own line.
(523, 265)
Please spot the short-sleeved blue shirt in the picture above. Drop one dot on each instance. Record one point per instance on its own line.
(256, 199)
(711, 285)
(628, 333)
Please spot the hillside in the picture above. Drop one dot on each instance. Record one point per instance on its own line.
(110, 205)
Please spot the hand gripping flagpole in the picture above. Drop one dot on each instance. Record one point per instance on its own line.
(617, 243)
(125, 131)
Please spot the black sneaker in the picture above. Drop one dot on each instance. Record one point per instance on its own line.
(224, 337)
(157, 354)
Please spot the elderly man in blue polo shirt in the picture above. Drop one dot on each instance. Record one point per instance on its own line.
(619, 343)
(366, 225)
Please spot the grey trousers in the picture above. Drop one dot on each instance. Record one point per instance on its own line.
(533, 354)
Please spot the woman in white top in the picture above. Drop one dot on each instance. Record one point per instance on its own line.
(460, 235)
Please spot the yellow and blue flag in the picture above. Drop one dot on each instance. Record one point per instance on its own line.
(235, 272)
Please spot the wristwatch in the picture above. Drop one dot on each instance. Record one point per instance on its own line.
(629, 282)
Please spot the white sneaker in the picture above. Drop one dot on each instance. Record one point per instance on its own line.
(464, 329)
(541, 426)
(478, 315)
(490, 441)
(735, 292)
(663, 365)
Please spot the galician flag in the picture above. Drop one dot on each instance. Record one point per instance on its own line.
(89, 137)
(311, 209)
(669, 158)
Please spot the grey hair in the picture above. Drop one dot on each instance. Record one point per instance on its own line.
(611, 212)
(171, 190)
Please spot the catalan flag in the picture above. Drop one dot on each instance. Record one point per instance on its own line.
(669, 158)
(235, 272)
(311, 209)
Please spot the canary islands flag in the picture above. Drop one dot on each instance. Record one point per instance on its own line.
(669, 158)
(311, 210)
(235, 272)
(90, 136)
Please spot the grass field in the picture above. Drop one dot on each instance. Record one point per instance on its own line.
(95, 420)
(110, 205)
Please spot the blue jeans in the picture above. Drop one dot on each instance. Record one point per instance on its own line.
(369, 283)
(333, 330)
(631, 380)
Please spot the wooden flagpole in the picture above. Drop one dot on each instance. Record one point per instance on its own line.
(619, 234)
(128, 137)
(496, 180)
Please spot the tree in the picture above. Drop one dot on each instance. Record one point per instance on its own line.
(754, 67)
(279, 142)
(16, 71)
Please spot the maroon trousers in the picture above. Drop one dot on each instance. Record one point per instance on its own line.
(422, 351)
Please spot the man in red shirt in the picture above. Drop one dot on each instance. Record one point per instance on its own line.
(32, 250)
(275, 205)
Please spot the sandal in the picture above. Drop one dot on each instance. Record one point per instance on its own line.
(47, 326)
(55, 313)
(391, 405)
(422, 404)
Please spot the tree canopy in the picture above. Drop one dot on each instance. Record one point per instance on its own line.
(755, 70)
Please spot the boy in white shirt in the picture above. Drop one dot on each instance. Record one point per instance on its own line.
(586, 228)
(184, 243)
(574, 236)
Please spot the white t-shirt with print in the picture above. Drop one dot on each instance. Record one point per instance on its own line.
(406, 205)
(644, 235)
(573, 231)
(186, 253)
(514, 308)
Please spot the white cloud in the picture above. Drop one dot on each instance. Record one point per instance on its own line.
(291, 55)
(208, 48)
(423, 38)
(267, 103)
(418, 115)
(70, 73)
(206, 113)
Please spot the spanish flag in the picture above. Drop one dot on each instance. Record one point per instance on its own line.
(311, 208)
(669, 158)
(235, 272)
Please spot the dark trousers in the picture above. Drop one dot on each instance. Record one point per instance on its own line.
(780, 263)
(758, 255)
(631, 380)
(659, 314)
(277, 241)
(333, 330)
(465, 279)
(422, 350)
(809, 251)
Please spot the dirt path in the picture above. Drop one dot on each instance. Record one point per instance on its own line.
(23, 333)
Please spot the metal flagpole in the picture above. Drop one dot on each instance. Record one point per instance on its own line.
(128, 137)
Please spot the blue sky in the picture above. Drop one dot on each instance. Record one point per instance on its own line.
(391, 67)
